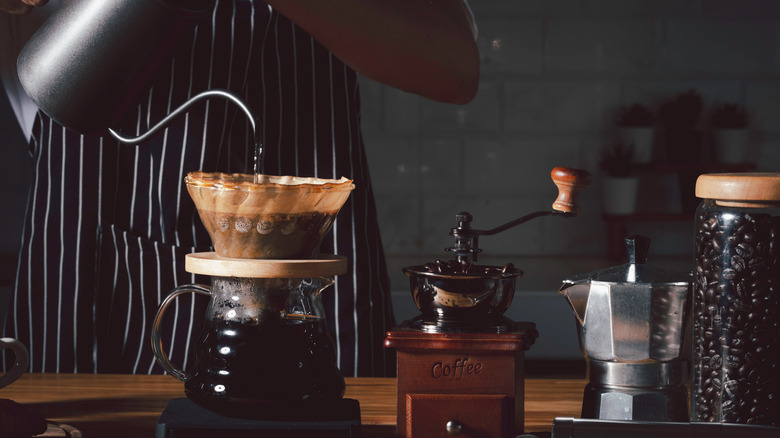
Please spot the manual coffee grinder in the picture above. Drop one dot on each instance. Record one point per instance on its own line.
(264, 363)
(632, 322)
(460, 363)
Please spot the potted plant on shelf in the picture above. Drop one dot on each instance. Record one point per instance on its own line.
(636, 126)
(620, 183)
(683, 142)
(729, 123)
(679, 117)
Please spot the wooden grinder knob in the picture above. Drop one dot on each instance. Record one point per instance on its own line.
(570, 183)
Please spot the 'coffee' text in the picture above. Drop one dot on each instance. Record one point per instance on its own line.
(456, 370)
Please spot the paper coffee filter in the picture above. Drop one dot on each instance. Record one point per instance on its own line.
(275, 217)
(240, 194)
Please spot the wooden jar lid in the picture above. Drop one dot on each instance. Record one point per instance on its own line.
(750, 189)
(209, 263)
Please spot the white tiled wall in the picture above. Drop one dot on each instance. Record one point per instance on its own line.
(554, 73)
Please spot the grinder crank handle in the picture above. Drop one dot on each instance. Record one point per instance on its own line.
(570, 183)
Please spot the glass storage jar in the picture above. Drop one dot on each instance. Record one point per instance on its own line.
(736, 304)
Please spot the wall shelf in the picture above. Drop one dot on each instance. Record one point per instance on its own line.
(702, 167)
(617, 225)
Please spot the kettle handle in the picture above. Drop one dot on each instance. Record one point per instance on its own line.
(157, 346)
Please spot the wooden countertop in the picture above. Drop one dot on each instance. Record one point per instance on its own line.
(101, 405)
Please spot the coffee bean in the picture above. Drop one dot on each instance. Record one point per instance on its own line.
(758, 262)
(715, 361)
(744, 250)
(454, 267)
(738, 263)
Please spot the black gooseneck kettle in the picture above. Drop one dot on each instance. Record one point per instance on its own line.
(87, 64)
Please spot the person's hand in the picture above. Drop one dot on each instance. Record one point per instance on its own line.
(20, 6)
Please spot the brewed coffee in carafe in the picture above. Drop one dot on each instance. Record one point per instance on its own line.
(250, 350)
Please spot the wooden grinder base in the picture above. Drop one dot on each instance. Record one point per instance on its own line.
(462, 384)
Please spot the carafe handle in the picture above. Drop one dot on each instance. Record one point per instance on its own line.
(157, 346)
(21, 360)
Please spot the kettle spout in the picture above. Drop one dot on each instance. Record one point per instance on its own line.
(577, 294)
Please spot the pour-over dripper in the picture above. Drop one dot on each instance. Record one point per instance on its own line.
(267, 217)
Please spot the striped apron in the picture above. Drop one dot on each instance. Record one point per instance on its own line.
(108, 225)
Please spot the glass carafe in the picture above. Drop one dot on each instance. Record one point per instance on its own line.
(264, 341)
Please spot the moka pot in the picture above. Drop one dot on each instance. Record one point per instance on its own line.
(632, 322)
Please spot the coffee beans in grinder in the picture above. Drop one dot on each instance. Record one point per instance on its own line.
(736, 303)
